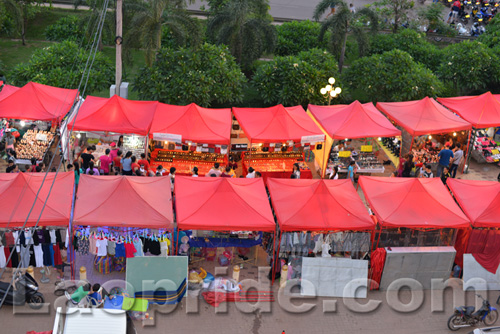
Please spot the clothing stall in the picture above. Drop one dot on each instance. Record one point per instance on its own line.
(325, 232)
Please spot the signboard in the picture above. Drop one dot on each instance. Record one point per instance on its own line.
(167, 137)
(239, 147)
(41, 136)
(366, 148)
(344, 154)
(312, 139)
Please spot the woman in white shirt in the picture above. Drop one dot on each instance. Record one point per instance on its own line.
(335, 173)
(195, 172)
(296, 171)
(251, 173)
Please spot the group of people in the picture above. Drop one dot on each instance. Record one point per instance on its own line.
(449, 158)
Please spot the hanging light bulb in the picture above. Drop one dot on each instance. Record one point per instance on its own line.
(338, 90)
(331, 81)
(430, 137)
(78, 135)
(322, 91)
(23, 123)
(328, 87)
(333, 94)
(379, 139)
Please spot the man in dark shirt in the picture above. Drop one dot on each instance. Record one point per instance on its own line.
(445, 175)
(87, 157)
(444, 159)
(11, 167)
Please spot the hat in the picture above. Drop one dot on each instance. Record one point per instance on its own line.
(447, 145)
(113, 145)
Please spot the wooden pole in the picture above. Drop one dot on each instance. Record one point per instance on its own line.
(118, 45)
(468, 153)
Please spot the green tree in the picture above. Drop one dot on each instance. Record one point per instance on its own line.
(151, 16)
(293, 80)
(469, 66)
(297, 36)
(394, 11)
(411, 41)
(22, 11)
(205, 75)
(245, 27)
(66, 28)
(491, 37)
(391, 76)
(62, 65)
(343, 22)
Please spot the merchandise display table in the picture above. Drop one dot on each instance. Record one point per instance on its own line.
(184, 161)
(276, 165)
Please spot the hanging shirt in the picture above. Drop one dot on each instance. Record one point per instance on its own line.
(130, 250)
(164, 247)
(325, 248)
(15, 234)
(53, 239)
(111, 247)
(102, 247)
(2, 257)
(92, 245)
(138, 247)
(38, 255)
(120, 250)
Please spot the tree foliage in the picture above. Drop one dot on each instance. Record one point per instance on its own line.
(491, 37)
(391, 76)
(21, 11)
(66, 28)
(410, 41)
(206, 75)
(297, 36)
(293, 80)
(62, 65)
(469, 66)
(151, 16)
(343, 22)
(394, 12)
(245, 27)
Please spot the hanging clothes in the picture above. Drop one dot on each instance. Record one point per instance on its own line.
(102, 246)
(138, 246)
(2, 257)
(130, 250)
(120, 250)
(47, 258)
(154, 247)
(53, 238)
(9, 239)
(15, 257)
(111, 247)
(41, 237)
(164, 247)
(92, 245)
(32, 256)
(25, 257)
(37, 249)
(7, 254)
(57, 255)
(15, 234)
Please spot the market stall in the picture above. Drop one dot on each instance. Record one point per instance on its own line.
(7, 90)
(46, 106)
(354, 121)
(483, 112)
(101, 121)
(427, 127)
(480, 201)
(326, 220)
(413, 213)
(278, 137)
(189, 136)
(226, 215)
(133, 217)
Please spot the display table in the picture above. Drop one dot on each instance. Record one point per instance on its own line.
(184, 161)
(34, 144)
(366, 163)
(276, 165)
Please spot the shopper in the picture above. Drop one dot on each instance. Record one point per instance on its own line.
(408, 166)
(258, 175)
(172, 177)
(296, 170)
(135, 165)
(444, 159)
(93, 169)
(227, 172)
(120, 142)
(106, 162)
(445, 175)
(10, 168)
(127, 164)
(351, 170)
(458, 154)
(33, 165)
(214, 170)
(87, 157)
(114, 151)
(428, 172)
(194, 171)
(117, 164)
(160, 171)
(251, 173)
(232, 163)
(144, 161)
(334, 174)
(77, 170)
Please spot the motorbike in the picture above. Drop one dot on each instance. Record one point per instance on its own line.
(26, 291)
(463, 16)
(477, 30)
(465, 316)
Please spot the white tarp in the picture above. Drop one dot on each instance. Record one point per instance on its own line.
(330, 277)
(90, 321)
(475, 276)
(419, 263)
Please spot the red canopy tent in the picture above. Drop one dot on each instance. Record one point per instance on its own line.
(222, 204)
(482, 111)
(423, 117)
(38, 102)
(480, 200)
(7, 90)
(276, 124)
(115, 114)
(355, 120)
(412, 203)
(318, 205)
(124, 201)
(193, 123)
(18, 192)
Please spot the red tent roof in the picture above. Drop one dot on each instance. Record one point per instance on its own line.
(115, 114)
(480, 200)
(423, 117)
(222, 204)
(276, 124)
(18, 192)
(193, 123)
(124, 201)
(413, 203)
(7, 90)
(318, 205)
(355, 120)
(481, 111)
(38, 102)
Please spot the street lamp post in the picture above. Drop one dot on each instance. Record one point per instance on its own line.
(330, 90)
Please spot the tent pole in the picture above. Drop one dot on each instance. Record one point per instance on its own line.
(469, 151)
(325, 160)
(72, 256)
(276, 259)
(379, 234)
(176, 250)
